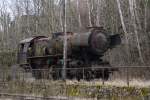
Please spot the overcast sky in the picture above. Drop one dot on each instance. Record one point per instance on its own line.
(10, 3)
(7, 5)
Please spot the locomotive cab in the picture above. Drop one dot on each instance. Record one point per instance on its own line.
(27, 49)
(23, 51)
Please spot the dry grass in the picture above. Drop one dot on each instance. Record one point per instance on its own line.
(83, 89)
(117, 82)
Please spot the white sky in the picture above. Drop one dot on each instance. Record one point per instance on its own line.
(8, 6)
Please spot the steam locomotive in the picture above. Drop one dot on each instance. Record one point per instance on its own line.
(84, 50)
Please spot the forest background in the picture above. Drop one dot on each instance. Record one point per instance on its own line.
(20, 19)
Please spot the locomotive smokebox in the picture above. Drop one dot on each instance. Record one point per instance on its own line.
(97, 41)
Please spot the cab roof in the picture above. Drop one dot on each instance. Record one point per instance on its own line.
(27, 40)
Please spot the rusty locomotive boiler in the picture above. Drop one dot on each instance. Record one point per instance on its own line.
(84, 50)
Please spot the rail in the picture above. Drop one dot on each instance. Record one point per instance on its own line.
(29, 97)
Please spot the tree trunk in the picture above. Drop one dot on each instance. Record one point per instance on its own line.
(133, 17)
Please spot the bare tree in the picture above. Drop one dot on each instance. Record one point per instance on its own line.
(132, 4)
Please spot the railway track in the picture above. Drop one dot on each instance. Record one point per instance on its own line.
(9, 96)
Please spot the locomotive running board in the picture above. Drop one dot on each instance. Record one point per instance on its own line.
(47, 56)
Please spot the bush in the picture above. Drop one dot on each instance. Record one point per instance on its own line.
(7, 58)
